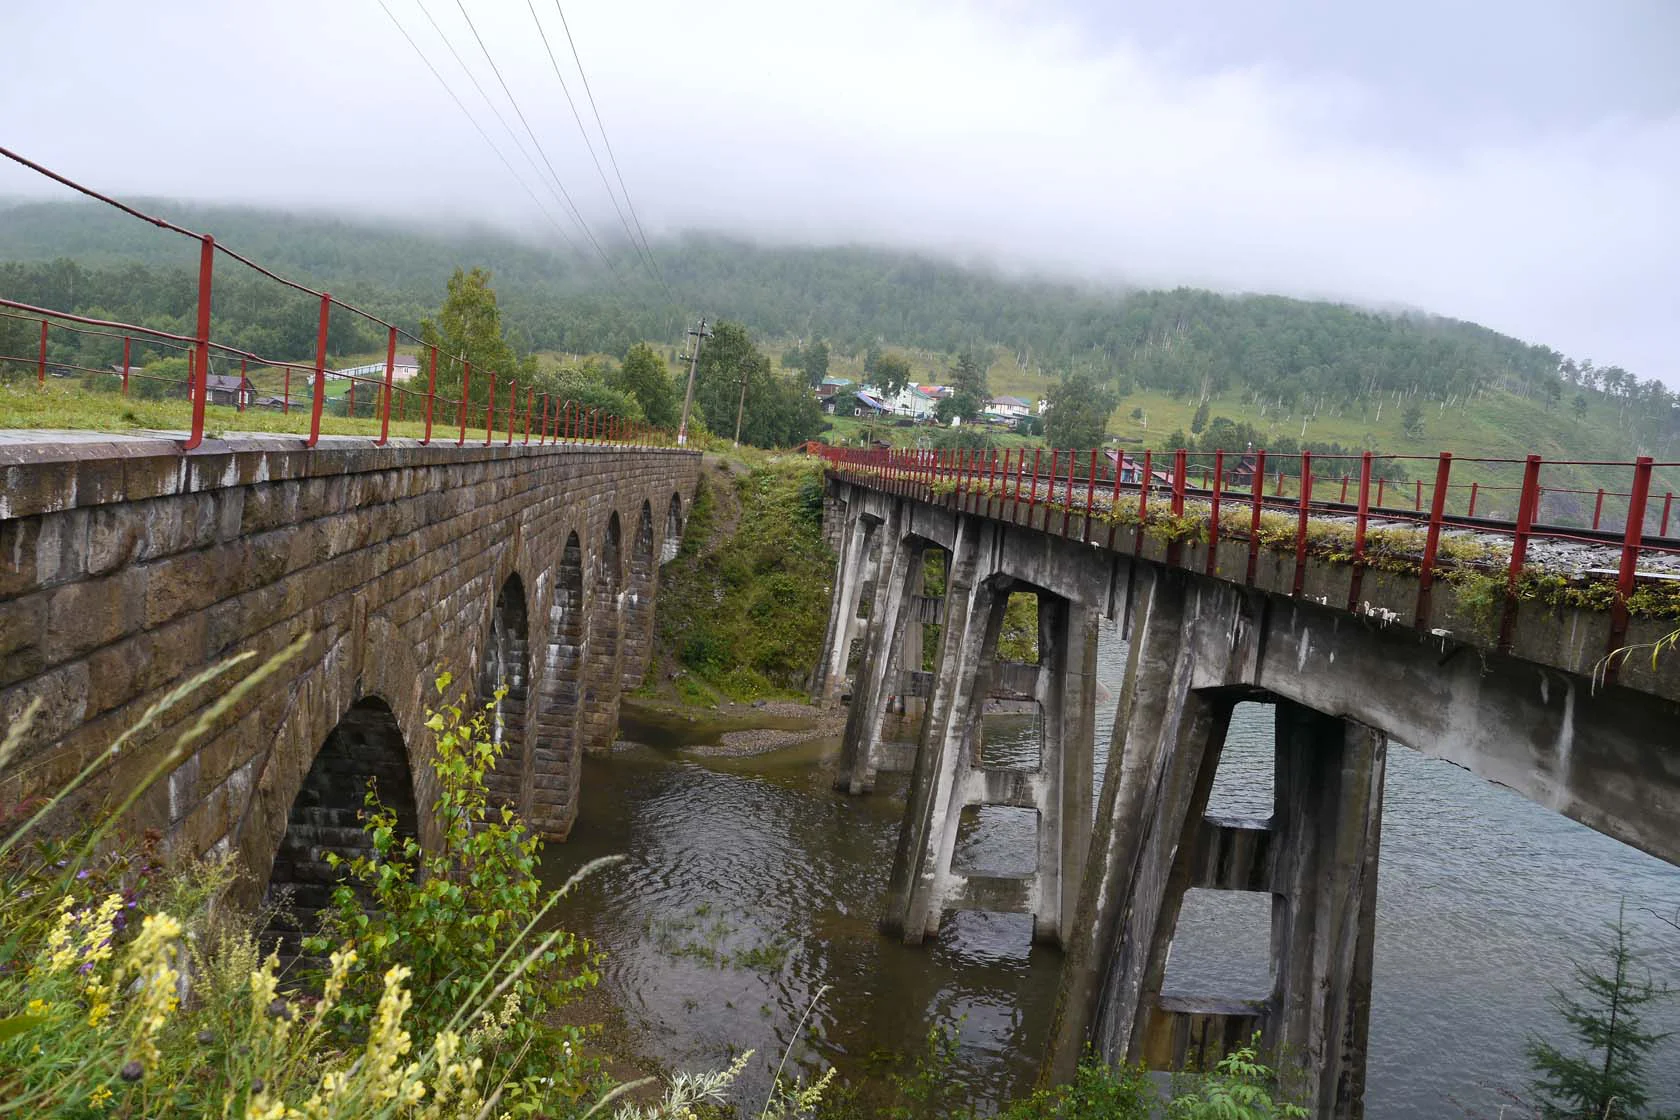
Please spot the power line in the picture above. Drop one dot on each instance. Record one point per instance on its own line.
(564, 200)
(584, 132)
(611, 157)
(528, 131)
(459, 104)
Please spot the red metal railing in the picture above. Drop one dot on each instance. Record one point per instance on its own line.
(1352, 490)
(381, 394)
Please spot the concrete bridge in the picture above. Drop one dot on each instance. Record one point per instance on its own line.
(126, 565)
(1507, 693)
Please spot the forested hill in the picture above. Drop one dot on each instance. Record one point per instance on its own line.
(1184, 342)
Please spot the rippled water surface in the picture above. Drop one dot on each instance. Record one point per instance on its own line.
(751, 884)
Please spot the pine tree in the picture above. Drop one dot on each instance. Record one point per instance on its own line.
(1606, 1019)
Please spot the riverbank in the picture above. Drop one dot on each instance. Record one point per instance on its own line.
(729, 729)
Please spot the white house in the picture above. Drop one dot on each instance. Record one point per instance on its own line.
(916, 401)
(1007, 408)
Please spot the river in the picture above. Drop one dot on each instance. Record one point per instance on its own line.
(751, 886)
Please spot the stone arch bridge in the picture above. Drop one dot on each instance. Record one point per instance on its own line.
(126, 566)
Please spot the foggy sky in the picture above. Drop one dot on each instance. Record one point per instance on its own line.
(1516, 165)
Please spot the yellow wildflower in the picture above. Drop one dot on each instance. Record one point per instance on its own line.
(263, 986)
(99, 1097)
(151, 959)
(61, 952)
(334, 987)
(99, 1002)
(38, 1006)
(260, 1107)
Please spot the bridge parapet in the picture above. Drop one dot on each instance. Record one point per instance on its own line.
(1564, 596)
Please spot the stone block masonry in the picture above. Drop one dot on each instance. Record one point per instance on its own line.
(126, 566)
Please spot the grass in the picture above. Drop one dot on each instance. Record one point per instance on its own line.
(744, 606)
(65, 405)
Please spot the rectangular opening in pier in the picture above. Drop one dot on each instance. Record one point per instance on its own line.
(1243, 783)
(1018, 640)
(997, 840)
(1013, 740)
(1222, 946)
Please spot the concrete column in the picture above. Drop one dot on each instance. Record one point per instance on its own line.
(879, 668)
(1162, 732)
(843, 610)
(910, 648)
(1067, 643)
(1328, 827)
(1316, 855)
(927, 838)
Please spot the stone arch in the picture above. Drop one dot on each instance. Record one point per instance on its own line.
(672, 540)
(505, 664)
(364, 749)
(602, 682)
(638, 604)
(556, 760)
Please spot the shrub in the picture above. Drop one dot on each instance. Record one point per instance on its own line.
(455, 916)
(129, 988)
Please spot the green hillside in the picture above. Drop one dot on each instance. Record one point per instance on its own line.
(1294, 372)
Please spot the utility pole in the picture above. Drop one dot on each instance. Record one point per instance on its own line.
(740, 408)
(700, 333)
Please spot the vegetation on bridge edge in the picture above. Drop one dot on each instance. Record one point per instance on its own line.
(1472, 563)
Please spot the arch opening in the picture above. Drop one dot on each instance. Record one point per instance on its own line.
(364, 749)
(638, 605)
(555, 762)
(504, 664)
(671, 543)
(603, 680)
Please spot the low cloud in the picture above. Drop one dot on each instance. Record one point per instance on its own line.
(1039, 138)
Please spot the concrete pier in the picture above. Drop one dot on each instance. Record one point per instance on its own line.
(1511, 700)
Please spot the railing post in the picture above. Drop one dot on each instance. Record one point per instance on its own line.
(530, 398)
(239, 393)
(126, 341)
(1364, 516)
(1301, 523)
(41, 360)
(1519, 546)
(1668, 503)
(320, 397)
(1472, 510)
(1380, 483)
(1143, 492)
(1213, 520)
(431, 392)
(513, 403)
(390, 371)
(1032, 495)
(461, 413)
(1633, 538)
(1254, 517)
(201, 346)
(1180, 459)
(350, 399)
(1417, 499)
(490, 412)
(1343, 498)
(1598, 507)
(1432, 542)
(1090, 492)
